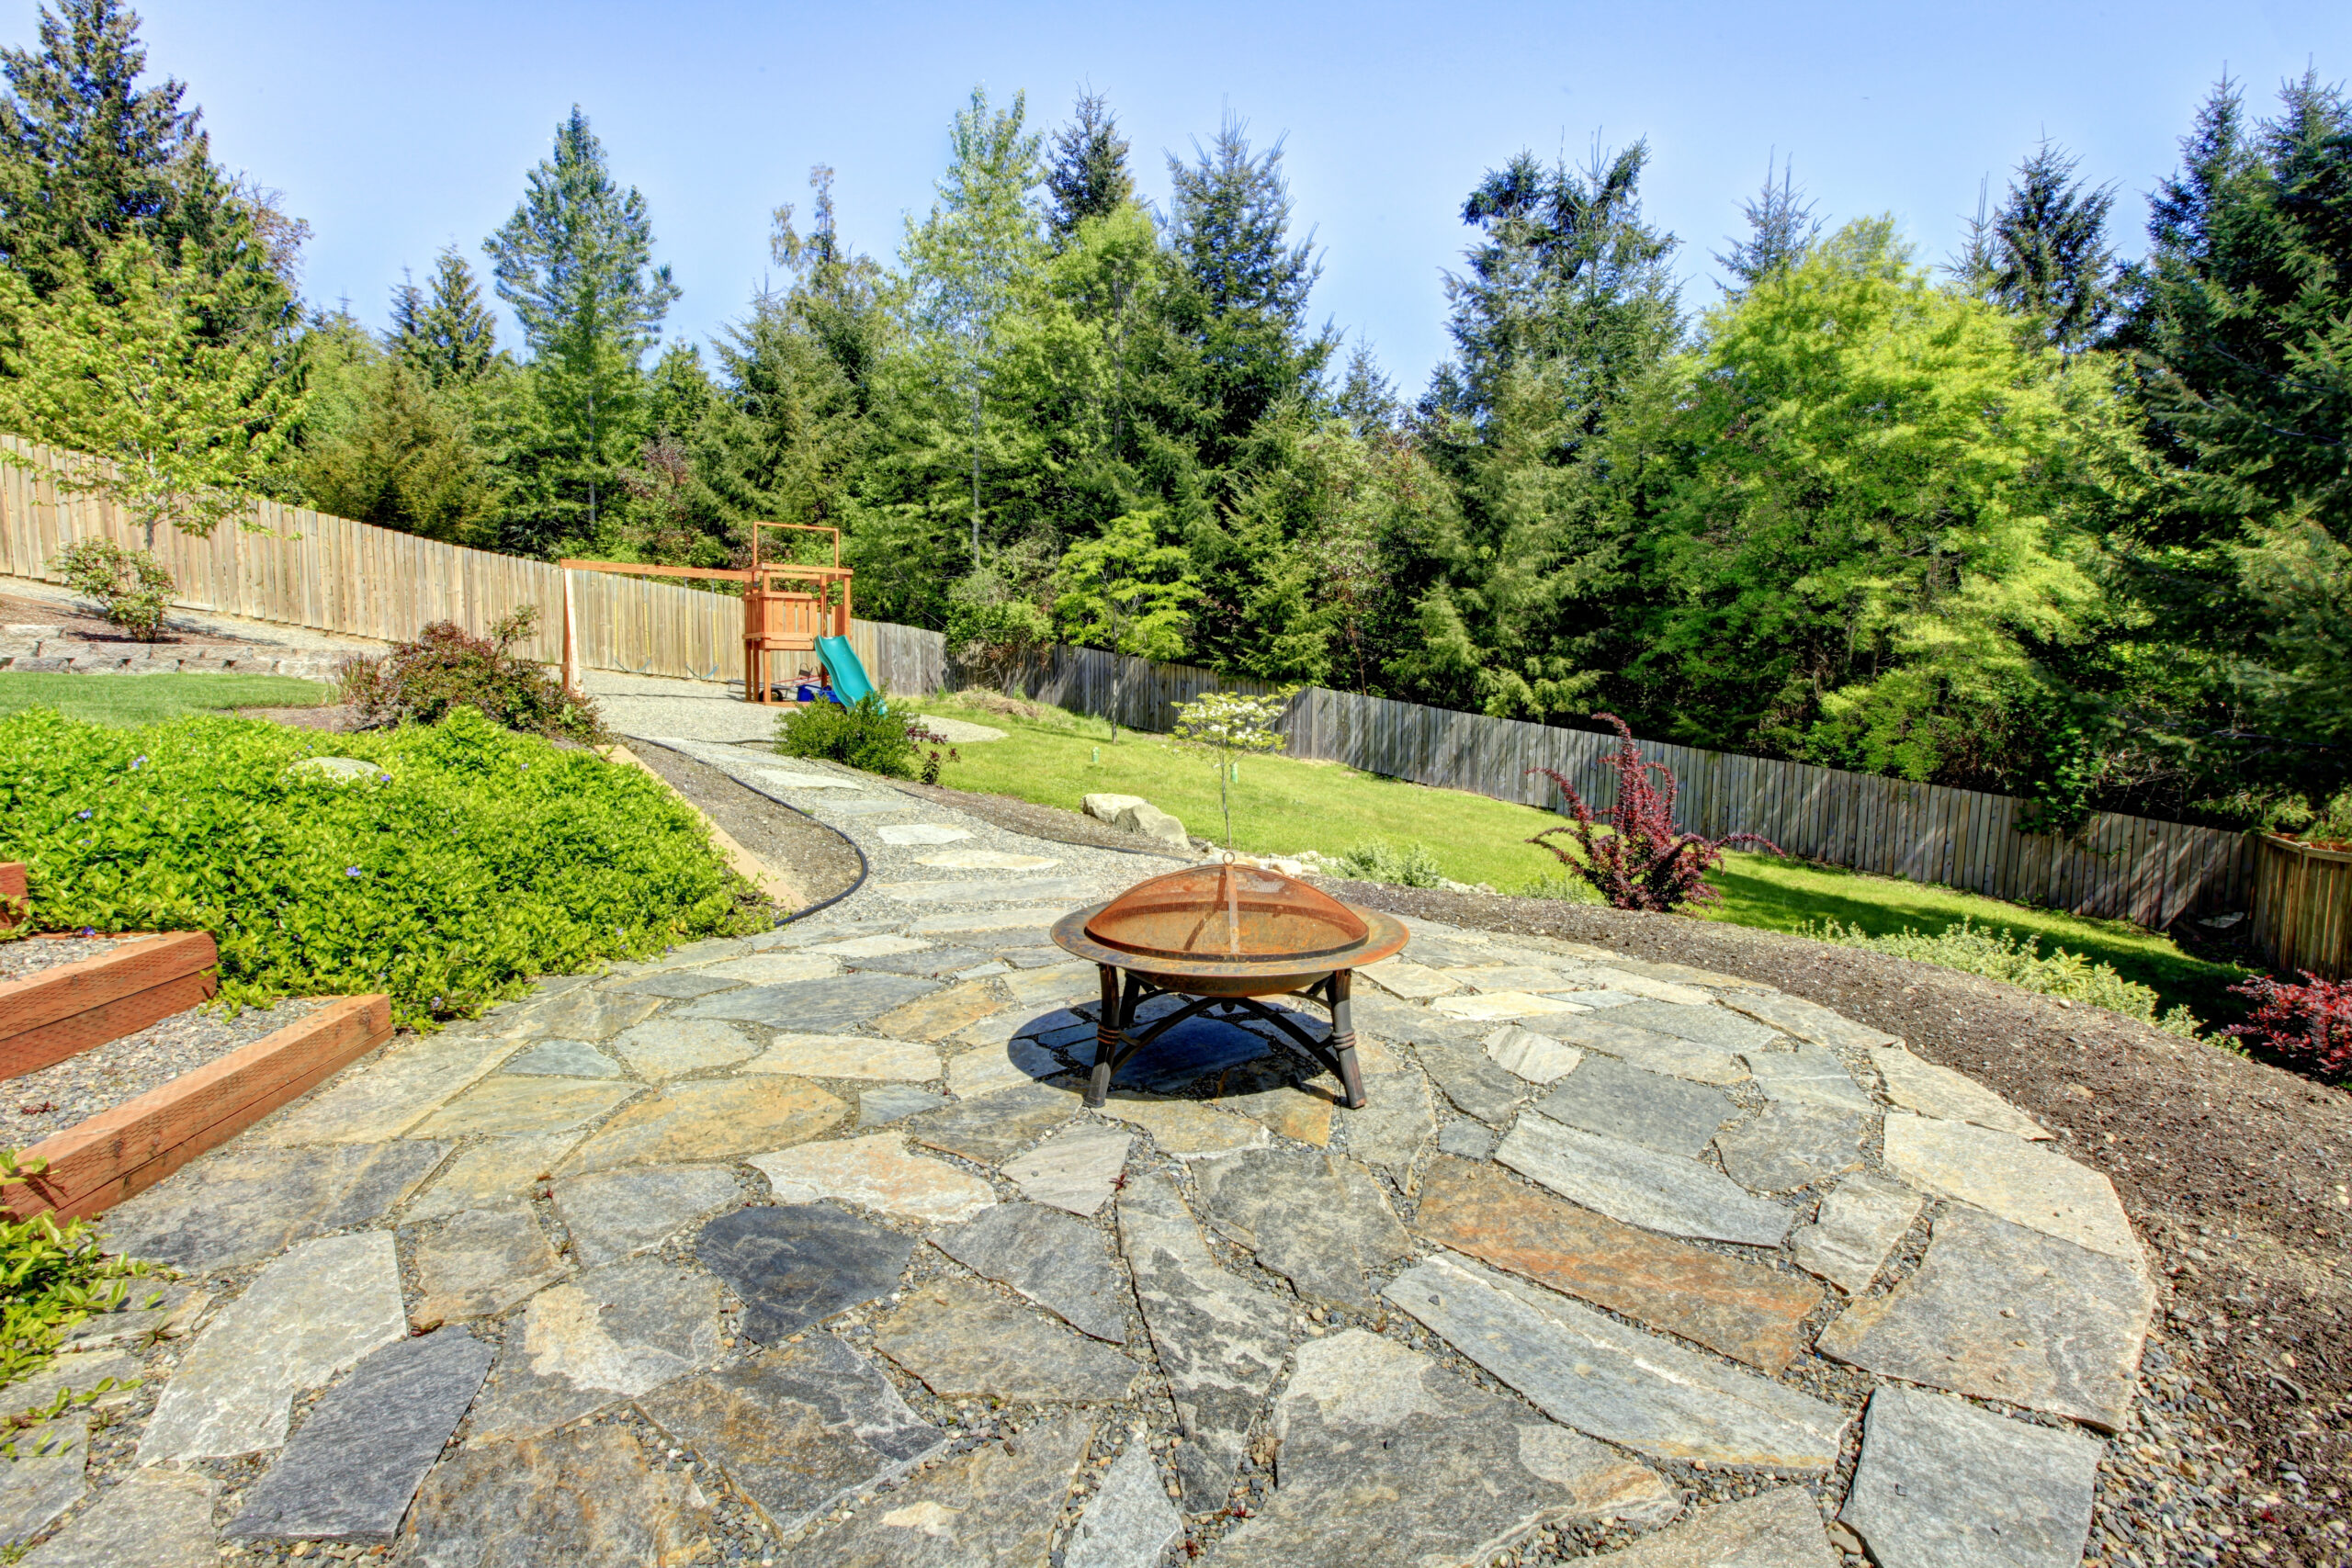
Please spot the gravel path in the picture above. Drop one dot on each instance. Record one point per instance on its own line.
(30, 955)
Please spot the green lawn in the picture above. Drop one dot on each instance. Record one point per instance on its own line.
(124, 700)
(1280, 805)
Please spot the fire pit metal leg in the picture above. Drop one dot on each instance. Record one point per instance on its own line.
(1108, 1029)
(1343, 1037)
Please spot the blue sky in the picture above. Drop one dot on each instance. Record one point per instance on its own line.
(397, 127)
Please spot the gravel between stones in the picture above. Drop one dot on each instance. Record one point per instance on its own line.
(22, 960)
(103, 1076)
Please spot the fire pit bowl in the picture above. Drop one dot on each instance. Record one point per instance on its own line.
(1226, 934)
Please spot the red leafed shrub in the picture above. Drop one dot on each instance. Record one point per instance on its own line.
(1632, 854)
(447, 667)
(2312, 1020)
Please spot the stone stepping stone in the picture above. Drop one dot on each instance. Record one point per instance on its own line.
(904, 833)
(895, 1102)
(153, 1519)
(2000, 1311)
(589, 1015)
(677, 985)
(846, 1056)
(1525, 1053)
(991, 1130)
(1700, 1023)
(232, 1207)
(310, 1314)
(1321, 1222)
(1746, 1311)
(986, 860)
(1391, 1130)
(710, 1118)
(1791, 1144)
(1221, 1341)
(1037, 917)
(815, 1007)
(1806, 1020)
(610, 1334)
(863, 807)
(386, 1099)
(1194, 1049)
(798, 1430)
(1858, 1225)
(1063, 890)
(1656, 1110)
(1590, 1371)
(797, 1264)
(1477, 1086)
(1918, 1084)
(876, 1172)
(665, 1048)
(871, 946)
(935, 962)
(503, 1107)
(1128, 1522)
(1413, 982)
(563, 1059)
(589, 1496)
(775, 969)
(1061, 1263)
(967, 1342)
(1773, 1529)
(2024, 1183)
(490, 1173)
(1466, 1139)
(1618, 975)
(1054, 982)
(1073, 1171)
(352, 1471)
(613, 1215)
(1283, 1092)
(1185, 1128)
(1942, 1481)
(1640, 1186)
(1608, 1032)
(990, 1070)
(480, 1262)
(1809, 1076)
(47, 1476)
(940, 1013)
(1386, 1457)
(1498, 1006)
(996, 1507)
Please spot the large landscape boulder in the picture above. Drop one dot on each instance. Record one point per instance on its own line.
(1138, 815)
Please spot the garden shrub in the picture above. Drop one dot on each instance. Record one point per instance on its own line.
(51, 1278)
(477, 860)
(1631, 854)
(130, 586)
(2311, 1021)
(863, 735)
(2019, 961)
(447, 668)
(1413, 867)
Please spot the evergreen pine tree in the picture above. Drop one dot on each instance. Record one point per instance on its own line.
(576, 264)
(446, 336)
(2044, 255)
(1781, 226)
(1087, 174)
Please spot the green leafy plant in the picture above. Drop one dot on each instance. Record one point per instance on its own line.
(477, 860)
(51, 1277)
(130, 586)
(1415, 865)
(2004, 955)
(447, 668)
(1225, 725)
(863, 735)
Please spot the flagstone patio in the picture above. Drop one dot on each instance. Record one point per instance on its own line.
(804, 1250)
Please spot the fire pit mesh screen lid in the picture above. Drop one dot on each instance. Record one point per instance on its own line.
(1226, 912)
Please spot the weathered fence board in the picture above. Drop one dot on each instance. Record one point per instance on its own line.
(2303, 908)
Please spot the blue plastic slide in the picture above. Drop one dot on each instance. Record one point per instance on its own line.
(850, 683)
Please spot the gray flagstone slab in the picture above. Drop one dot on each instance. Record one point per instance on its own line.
(1657, 1110)
(1319, 1221)
(1806, 1020)
(1857, 1225)
(235, 1207)
(1793, 1144)
(1129, 1522)
(155, 1518)
(1608, 1032)
(1708, 1025)
(562, 1058)
(814, 1006)
(795, 1264)
(588, 1497)
(995, 1506)
(1640, 1187)
(1773, 1529)
(1057, 1260)
(965, 1341)
(1945, 1485)
(1808, 1075)
(607, 1335)
(613, 1215)
(2026, 1184)
(1593, 1373)
(1923, 1086)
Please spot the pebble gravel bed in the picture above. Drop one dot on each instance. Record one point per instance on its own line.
(40, 1103)
(22, 960)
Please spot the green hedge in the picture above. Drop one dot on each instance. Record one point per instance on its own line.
(477, 860)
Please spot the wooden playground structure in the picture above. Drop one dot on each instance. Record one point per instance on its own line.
(787, 607)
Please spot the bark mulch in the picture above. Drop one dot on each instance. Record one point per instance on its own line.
(820, 861)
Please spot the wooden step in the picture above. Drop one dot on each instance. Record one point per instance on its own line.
(49, 1015)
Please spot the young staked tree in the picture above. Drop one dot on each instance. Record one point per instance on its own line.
(1781, 226)
(443, 332)
(969, 260)
(1087, 176)
(2045, 255)
(575, 265)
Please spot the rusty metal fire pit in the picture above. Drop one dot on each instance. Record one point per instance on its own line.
(1226, 934)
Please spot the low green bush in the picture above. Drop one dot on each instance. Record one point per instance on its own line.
(130, 586)
(1415, 865)
(862, 735)
(51, 1277)
(475, 861)
(447, 668)
(2021, 962)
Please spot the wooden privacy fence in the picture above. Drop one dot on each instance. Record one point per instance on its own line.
(307, 569)
(2303, 907)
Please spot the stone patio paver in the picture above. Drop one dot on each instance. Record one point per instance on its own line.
(155, 1519)
(243, 1205)
(1319, 1221)
(1073, 1170)
(1918, 1084)
(610, 1334)
(665, 1048)
(1807, 1075)
(894, 1103)
(965, 1341)
(1942, 1482)
(1780, 1529)
(1793, 1144)
(1805, 1020)
(1053, 1258)
(993, 1507)
(588, 1497)
(876, 1172)
(1657, 1110)
(480, 1262)
(385, 1100)
(710, 1118)
(846, 1056)
(1641, 1186)
(613, 1215)
(505, 1106)
(563, 1059)
(1128, 1522)
(1538, 1058)
(796, 1264)
(814, 1006)
(2028, 1184)
(990, 1129)
(1858, 1225)
(1187, 1128)
(1613, 1035)
(490, 1172)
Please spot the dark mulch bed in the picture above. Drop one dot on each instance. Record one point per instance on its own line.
(81, 626)
(820, 861)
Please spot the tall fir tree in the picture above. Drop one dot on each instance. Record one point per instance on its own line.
(444, 332)
(2045, 255)
(1087, 174)
(575, 265)
(1781, 226)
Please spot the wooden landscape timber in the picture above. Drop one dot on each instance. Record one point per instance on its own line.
(50, 1015)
